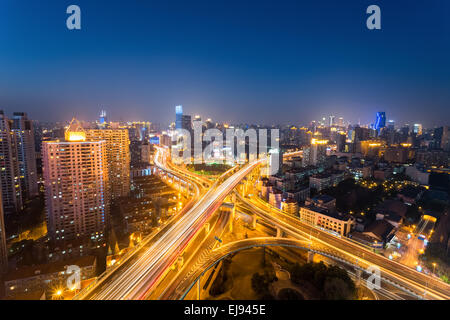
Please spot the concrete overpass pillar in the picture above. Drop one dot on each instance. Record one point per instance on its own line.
(229, 208)
(279, 232)
(254, 222)
(358, 277)
(180, 262)
(207, 227)
(310, 256)
(199, 290)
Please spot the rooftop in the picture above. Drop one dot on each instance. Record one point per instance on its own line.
(49, 268)
(329, 213)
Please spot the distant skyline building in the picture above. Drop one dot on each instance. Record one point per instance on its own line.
(178, 117)
(332, 121)
(103, 120)
(445, 140)
(380, 121)
(76, 186)
(417, 129)
(23, 130)
(391, 124)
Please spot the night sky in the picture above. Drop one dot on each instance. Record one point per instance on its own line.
(238, 60)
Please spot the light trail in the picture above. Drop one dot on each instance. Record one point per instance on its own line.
(144, 273)
(418, 282)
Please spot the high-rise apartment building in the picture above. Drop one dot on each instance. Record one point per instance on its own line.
(9, 169)
(76, 186)
(23, 131)
(117, 157)
(315, 154)
(3, 250)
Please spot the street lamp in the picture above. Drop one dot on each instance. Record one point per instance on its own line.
(57, 294)
(434, 267)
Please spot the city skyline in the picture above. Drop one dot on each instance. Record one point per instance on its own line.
(237, 65)
(225, 151)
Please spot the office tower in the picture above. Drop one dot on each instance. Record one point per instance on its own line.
(76, 179)
(380, 120)
(23, 130)
(178, 117)
(9, 169)
(117, 156)
(341, 122)
(3, 249)
(445, 139)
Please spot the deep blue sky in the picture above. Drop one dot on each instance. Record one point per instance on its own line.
(235, 60)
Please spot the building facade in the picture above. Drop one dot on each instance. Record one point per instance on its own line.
(3, 249)
(324, 218)
(9, 169)
(23, 131)
(118, 158)
(76, 186)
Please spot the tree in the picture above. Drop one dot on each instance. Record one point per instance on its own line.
(337, 289)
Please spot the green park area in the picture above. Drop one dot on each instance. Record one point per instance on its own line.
(208, 169)
(266, 274)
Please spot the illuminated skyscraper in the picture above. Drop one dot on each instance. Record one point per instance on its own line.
(118, 158)
(380, 120)
(23, 130)
(9, 169)
(76, 179)
(417, 129)
(178, 117)
(103, 118)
